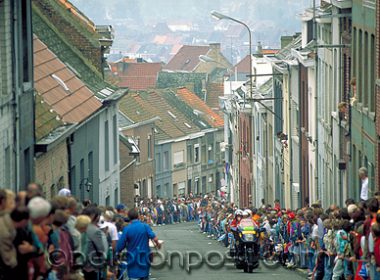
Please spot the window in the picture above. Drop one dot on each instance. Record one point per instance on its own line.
(73, 182)
(81, 176)
(189, 154)
(210, 154)
(150, 147)
(365, 78)
(108, 200)
(372, 76)
(166, 161)
(158, 162)
(27, 54)
(178, 158)
(196, 153)
(115, 140)
(7, 166)
(91, 169)
(116, 196)
(137, 141)
(106, 146)
(53, 190)
(27, 166)
(196, 185)
(181, 188)
(203, 154)
(166, 190)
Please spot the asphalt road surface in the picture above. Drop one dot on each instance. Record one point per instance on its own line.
(186, 239)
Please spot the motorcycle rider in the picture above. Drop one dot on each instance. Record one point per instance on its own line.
(236, 221)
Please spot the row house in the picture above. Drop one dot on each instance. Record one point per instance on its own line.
(78, 141)
(324, 126)
(137, 152)
(16, 95)
(187, 135)
(362, 109)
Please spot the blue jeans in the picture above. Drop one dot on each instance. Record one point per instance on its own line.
(311, 261)
(375, 275)
(329, 266)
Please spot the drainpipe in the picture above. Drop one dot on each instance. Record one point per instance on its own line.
(289, 137)
(316, 173)
(300, 136)
(15, 96)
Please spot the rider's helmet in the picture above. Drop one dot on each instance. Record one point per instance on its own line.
(245, 214)
(238, 212)
(249, 211)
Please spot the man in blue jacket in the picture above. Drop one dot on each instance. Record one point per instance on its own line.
(135, 238)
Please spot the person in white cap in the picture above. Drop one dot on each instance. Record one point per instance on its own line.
(64, 192)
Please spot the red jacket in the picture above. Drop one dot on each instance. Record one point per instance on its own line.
(377, 251)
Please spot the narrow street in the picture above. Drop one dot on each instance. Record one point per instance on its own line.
(186, 237)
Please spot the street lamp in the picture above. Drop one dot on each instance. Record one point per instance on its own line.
(218, 16)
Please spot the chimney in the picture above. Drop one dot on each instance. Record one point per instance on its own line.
(259, 49)
(286, 40)
(215, 46)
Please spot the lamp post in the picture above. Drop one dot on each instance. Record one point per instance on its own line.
(220, 16)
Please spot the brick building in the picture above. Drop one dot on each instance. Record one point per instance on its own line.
(71, 73)
(137, 160)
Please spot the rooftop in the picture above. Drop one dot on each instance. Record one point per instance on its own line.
(190, 98)
(138, 76)
(60, 88)
(187, 58)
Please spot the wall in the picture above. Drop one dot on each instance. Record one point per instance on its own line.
(16, 95)
(245, 152)
(193, 168)
(7, 156)
(84, 142)
(163, 176)
(109, 176)
(52, 169)
(143, 169)
(179, 175)
(127, 190)
(363, 135)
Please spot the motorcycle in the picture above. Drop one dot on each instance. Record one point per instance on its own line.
(245, 248)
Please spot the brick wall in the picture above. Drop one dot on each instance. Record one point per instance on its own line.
(127, 191)
(245, 131)
(71, 31)
(51, 167)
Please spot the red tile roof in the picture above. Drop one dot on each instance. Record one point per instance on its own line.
(195, 102)
(51, 76)
(187, 58)
(139, 76)
(269, 51)
(243, 65)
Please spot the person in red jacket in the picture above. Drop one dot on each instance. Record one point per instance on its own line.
(235, 222)
(376, 251)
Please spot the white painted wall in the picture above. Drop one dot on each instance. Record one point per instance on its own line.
(109, 180)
